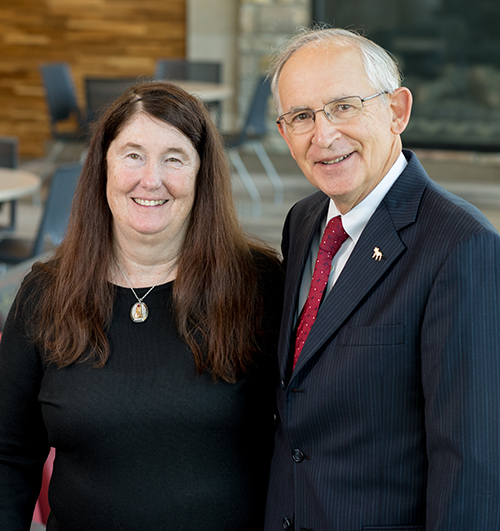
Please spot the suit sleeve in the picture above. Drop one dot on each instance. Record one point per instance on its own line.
(23, 438)
(461, 379)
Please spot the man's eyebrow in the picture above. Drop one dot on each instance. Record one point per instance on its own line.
(305, 108)
(298, 109)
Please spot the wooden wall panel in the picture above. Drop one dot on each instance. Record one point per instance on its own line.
(96, 37)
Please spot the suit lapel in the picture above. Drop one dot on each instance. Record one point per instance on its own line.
(362, 271)
(297, 256)
(359, 275)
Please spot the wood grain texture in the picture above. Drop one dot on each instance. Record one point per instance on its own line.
(96, 37)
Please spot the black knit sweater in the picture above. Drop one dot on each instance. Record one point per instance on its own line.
(144, 444)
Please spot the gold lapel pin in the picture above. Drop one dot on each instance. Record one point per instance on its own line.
(377, 254)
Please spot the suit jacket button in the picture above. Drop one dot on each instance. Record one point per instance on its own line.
(287, 525)
(298, 456)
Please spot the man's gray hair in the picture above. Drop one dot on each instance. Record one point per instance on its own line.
(381, 68)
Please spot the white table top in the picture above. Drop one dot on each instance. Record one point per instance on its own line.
(206, 91)
(17, 183)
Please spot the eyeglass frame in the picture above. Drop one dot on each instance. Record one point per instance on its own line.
(323, 109)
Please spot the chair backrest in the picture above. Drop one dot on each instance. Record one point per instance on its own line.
(9, 152)
(59, 92)
(101, 92)
(57, 206)
(255, 125)
(188, 70)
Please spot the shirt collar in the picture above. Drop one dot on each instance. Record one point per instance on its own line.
(356, 219)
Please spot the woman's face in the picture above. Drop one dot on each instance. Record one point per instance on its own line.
(152, 168)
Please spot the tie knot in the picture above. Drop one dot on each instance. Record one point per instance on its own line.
(334, 236)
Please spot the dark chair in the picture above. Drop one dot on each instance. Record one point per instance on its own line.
(62, 105)
(54, 219)
(9, 158)
(253, 130)
(101, 92)
(183, 69)
(9, 152)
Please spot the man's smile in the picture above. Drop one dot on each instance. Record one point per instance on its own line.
(335, 161)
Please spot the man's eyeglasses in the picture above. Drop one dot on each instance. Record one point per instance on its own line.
(337, 111)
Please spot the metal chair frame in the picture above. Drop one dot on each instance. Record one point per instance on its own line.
(253, 130)
(62, 104)
(54, 219)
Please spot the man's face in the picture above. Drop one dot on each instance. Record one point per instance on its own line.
(346, 161)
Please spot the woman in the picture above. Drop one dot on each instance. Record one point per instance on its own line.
(143, 350)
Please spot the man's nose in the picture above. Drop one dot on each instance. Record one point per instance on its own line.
(325, 131)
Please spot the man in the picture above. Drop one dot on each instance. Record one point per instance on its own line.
(389, 413)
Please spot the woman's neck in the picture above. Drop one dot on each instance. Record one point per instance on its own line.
(143, 265)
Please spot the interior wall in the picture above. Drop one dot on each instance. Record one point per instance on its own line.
(212, 33)
(96, 37)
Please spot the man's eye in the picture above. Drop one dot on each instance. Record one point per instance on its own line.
(342, 107)
(302, 116)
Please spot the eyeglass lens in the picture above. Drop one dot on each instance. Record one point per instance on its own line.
(337, 111)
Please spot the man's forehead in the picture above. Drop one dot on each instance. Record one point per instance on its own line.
(319, 73)
(328, 54)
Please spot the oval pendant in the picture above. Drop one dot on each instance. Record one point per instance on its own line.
(139, 312)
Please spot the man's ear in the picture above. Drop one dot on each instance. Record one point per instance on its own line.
(400, 102)
(284, 134)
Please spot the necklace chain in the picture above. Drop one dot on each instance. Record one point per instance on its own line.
(139, 300)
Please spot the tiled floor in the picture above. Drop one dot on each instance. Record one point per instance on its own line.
(476, 178)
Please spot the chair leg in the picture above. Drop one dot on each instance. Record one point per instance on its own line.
(47, 167)
(13, 215)
(270, 170)
(247, 181)
(51, 158)
(11, 227)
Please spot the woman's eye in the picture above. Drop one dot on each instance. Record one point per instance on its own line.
(174, 162)
(133, 156)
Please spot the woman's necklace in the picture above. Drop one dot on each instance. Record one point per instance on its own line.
(139, 311)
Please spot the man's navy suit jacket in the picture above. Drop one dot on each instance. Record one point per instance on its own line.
(391, 418)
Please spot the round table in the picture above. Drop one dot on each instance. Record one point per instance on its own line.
(207, 92)
(15, 184)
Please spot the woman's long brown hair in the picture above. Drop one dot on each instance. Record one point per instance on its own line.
(217, 301)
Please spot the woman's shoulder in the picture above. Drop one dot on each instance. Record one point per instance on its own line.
(270, 274)
(35, 283)
(267, 261)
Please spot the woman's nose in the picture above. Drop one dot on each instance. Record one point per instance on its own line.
(151, 178)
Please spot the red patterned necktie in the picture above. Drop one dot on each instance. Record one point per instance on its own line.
(333, 237)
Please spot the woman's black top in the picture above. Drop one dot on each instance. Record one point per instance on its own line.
(143, 444)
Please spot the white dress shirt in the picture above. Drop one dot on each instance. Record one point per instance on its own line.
(353, 222)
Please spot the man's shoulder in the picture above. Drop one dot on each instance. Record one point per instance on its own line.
(416, 191)
(454, 210)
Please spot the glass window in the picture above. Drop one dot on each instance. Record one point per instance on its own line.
(449, 52)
